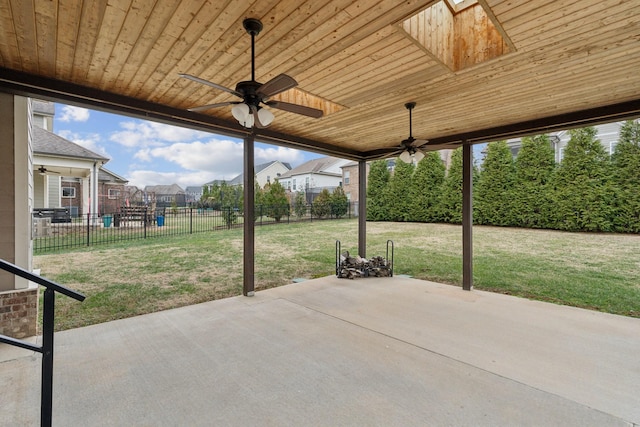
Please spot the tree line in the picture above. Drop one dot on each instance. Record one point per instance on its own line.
(273, 201)
(589, 190)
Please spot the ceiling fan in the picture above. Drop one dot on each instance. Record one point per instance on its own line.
(43, 171)
(250, 111)
(410, 148)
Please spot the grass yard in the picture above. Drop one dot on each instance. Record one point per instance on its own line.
(595, 271)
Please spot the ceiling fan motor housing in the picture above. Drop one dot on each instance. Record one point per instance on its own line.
(249, 91)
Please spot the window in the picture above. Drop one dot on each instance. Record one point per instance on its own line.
(114, 193)
(68, 193)
(306, 182)
(294, 184)
(347, 175)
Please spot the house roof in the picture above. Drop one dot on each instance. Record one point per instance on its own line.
(48, 143)
(494, 70)
(316, 166)
(239, 179)
(164, 189)
(106, 175)
(193, 189)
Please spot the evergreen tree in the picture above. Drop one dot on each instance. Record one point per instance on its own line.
(300, 204)
(450, 205)
(376, 188)
(398, 192)
(339, 203)
(321, 206)
(582, 193)
(426, 188)
(275, 201)
(626, 178)
(492, 194)
(258, 197)
(530, 198)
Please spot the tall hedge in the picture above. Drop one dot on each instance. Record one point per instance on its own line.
(626, 178)
(398, 192)
(493, 192)
(376, 188)
(582, 194)
(450, 206)
(426, 188)
(533, 169)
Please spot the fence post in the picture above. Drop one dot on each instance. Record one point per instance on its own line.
(190, 220)
(88, 228)
(144, 223)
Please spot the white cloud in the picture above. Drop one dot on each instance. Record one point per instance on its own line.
(217, 155)
(90, 141)
(285, 155)
(74, 114)
(139, 134)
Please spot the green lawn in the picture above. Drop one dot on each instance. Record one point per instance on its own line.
(595, 271)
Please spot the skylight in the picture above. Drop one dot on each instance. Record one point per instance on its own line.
(458, 33)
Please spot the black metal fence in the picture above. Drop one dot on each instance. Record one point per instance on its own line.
(88, 230)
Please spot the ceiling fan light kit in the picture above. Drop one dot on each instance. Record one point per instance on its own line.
(249, 112)
(410, 148)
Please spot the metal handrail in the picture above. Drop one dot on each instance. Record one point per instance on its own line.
(48, 315)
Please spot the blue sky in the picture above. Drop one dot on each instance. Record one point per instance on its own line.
(150, 153)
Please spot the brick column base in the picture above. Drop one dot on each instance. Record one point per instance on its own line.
(19, 313)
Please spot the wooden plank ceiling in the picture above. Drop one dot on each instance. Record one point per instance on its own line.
(474, 67)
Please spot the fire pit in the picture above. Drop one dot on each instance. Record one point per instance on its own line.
(350, 267)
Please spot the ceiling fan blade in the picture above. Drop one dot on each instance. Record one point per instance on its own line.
(208, 83)
(209, 106)
(295, 108)
(276, 85)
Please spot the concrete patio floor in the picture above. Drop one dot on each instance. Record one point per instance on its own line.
(336, 352)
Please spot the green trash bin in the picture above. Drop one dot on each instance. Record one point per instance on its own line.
(160, 220)
(106, 220)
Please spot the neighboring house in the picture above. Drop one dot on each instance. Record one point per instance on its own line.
(111, 188)
(193, 194)
(265, 173)
(58, 162)
(111, 194)
(314, 176)
(351, 179)
(608, 134)
(166, 195)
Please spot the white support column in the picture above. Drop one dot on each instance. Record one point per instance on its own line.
(16, 181)
(86, 194)
(94, 193)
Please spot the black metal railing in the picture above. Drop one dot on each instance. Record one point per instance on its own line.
(129, 224)
(48, 321)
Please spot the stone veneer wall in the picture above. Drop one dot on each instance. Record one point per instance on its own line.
(19, 312)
